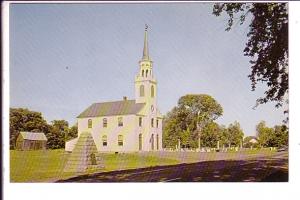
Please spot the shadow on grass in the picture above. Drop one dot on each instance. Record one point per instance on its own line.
(260, 170)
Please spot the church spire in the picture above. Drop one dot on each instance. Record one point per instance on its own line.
(145, 50)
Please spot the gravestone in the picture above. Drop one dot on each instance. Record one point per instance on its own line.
(84, 155)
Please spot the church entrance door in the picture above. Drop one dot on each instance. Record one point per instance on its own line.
(152, 142)
(140, 142)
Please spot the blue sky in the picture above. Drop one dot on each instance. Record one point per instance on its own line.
(64, 57)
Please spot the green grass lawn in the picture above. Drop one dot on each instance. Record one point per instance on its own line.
(191, 157)
(47, 166)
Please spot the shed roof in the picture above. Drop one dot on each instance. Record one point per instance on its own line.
(125, 107)
(33, 136)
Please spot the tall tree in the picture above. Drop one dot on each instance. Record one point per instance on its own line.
(175, 122)
(224, 136)
(235, 134)
(280, 137)
(202, 108)
(264, 134)
(267, 45)
(191, 111)
(272, 137)
(58, 134)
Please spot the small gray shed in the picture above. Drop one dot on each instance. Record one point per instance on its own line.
(31, 141)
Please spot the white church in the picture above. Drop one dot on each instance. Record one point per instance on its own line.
(126, 125)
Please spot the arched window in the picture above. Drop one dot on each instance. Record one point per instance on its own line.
(90, 123)
(146, 72)
(104, 122)
(120, 140)
(152, 122)
(142, 73)
(152, 91)
(104, 140)
(142, 91)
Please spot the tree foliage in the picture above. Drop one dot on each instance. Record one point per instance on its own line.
(235, 134)
(176, 122)
(73, 132)
(210, 135)
(271, 137)
(201, 107)
(181, 122)
(267, 44)
(22, 119)
(57, 135)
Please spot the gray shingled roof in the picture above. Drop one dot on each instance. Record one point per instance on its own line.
(33, 136)
(125, 107)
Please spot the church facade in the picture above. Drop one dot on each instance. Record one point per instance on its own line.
(126, 125)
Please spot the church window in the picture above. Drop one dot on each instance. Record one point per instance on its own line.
(157, 123)
(157, 142)
(120, 140)
(146, 72)
(152, 122)
(104, 140)
(152, 91)
(142, 91)
(120, 121)
(104, 122)
(142, 73)
(90, 123)
(140, 121)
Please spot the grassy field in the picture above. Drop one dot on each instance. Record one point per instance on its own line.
(47, 166)
(191, 157)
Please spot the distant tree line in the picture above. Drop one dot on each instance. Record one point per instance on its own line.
(192, 122)
(272, 137)
(57, 132)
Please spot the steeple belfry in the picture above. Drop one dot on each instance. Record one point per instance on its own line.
(146, 50)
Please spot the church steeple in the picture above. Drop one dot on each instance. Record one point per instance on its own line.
(146, 50)
(145, 83)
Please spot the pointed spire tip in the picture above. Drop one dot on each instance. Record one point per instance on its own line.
(145, 50)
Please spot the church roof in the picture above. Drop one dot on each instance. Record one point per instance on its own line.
(125, 107)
